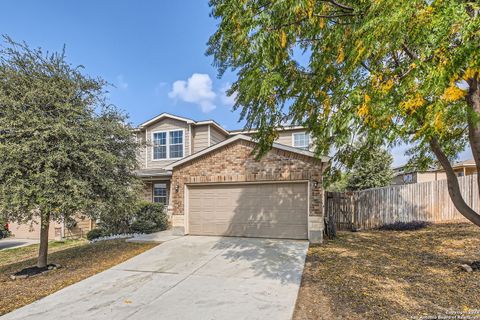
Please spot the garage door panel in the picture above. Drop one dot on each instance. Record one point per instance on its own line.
(276, 210)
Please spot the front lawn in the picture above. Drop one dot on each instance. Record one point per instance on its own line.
(79, 260)
(392, 275)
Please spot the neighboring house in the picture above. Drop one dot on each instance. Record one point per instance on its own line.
(56, 231)
(212, 183)
(462, 168)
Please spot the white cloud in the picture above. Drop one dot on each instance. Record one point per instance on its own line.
(227, 100)
(121, 83)
(197, 89)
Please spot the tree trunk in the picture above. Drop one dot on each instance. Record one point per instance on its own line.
(453, 186)
(43, 250)
(473, 100)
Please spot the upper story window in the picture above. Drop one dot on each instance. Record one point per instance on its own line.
(159, 145)
(176, 144)
(301, 140)
(168, 144)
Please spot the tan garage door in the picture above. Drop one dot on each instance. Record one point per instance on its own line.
(274, 210)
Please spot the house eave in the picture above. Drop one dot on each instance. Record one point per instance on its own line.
(279, 146)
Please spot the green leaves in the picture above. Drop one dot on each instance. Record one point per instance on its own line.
(63, 149)
(314, 62)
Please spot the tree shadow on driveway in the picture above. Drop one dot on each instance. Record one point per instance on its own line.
(271, 259)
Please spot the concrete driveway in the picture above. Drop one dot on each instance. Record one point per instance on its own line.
(187, 278)
(11, 243)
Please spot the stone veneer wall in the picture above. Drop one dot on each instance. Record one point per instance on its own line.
(236, 163)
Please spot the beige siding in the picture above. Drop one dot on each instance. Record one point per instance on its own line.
(200, 138)
(31, 230)
(216, 135)
(165, 124)
(428, 176)
(285, 137)
(142, 150)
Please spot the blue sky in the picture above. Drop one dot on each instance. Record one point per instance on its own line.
(152, 51)
(142, 47)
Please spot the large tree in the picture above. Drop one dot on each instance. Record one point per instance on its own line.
(63, 149)
(386, 71)
(371, 170)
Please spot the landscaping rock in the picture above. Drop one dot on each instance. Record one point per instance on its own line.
(16, 277)
(466, 268)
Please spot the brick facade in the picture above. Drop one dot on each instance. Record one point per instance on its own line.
(235, 162)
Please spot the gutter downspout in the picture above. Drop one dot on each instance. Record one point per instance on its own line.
(146, 148)
(209, 137)
(190, 139)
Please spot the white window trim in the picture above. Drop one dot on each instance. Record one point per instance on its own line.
(304, 133)
(166, 192)
(168, 144)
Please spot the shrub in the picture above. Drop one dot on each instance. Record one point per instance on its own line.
(4, 232)
(150, 218)
(95, 233)
(405, 226)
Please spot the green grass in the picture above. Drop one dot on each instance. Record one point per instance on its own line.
(19, 254)
(79, 260)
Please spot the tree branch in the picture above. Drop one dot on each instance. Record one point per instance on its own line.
(453, 185)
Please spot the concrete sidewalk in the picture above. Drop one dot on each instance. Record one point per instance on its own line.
(11, 243)
(189, 277)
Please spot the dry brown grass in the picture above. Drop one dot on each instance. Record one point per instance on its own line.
(391, 275)
(79, 260)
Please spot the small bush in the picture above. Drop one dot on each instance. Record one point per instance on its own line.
(150, 218)
(405, 226)
(95, 233)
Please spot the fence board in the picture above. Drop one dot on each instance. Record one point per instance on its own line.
(427, 201)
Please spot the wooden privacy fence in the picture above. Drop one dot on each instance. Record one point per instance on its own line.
(426, 201)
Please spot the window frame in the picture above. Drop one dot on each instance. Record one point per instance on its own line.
(307, 147)
(166, 192)
(167, 133)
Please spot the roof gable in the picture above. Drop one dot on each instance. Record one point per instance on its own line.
(163, 116)
(246, 138)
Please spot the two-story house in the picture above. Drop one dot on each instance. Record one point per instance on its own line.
(212, 183)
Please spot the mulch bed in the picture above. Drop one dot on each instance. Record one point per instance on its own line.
(393, 275)
(33, 271)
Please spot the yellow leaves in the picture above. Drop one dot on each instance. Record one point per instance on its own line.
(340, 56)
(411, 105)
(376, 79)
(283, 39)
(438, 123)
(453, 93)
(367, 98)
(310, 7)
(378, 83)
(413, 65)
(363, 110)
(327, 105)
(322, 23)
(360, 49)
(471, 73)
(387, 86)
(329, 78)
